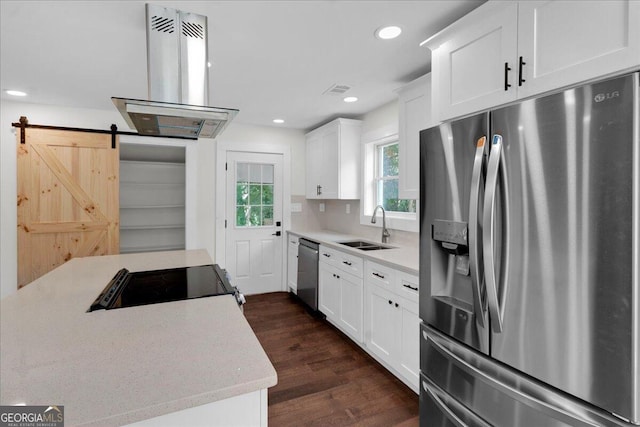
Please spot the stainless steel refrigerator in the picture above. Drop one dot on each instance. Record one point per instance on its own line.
(529, 262)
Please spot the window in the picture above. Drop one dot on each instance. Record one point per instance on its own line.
(386, 180)
(380, 172)
(254, 195)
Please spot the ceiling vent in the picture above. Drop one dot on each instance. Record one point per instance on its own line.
(177, 79)
(337, 89)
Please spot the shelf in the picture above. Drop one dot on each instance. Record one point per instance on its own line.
(150, 227)
(152, 207)
(152, 184)
(130, 250)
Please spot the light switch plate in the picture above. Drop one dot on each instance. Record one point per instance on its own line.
(348, 208)
(321, 207)
(296, 207)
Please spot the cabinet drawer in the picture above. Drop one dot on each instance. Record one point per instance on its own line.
(407, 286)
(350, 263)
(293, 240)
(380, 275)
(328, 256)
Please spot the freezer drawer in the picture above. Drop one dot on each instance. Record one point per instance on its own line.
(483, 390)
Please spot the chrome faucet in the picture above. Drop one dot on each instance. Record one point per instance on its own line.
(385, 232)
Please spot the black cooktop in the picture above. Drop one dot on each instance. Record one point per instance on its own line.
(128, 289)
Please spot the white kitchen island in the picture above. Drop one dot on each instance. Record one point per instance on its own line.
(191, 362)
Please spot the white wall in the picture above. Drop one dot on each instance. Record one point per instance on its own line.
(381, 122)
(274, 135)
(201, 160)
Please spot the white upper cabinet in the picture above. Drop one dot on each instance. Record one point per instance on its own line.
(564, 42)
(333, 160)
(472, 67)
(313, 166)
(503, 51)
(414, 115)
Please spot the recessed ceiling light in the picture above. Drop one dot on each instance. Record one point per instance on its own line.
(279, 121)
(15, 93)
(350, 99)
(389, 32)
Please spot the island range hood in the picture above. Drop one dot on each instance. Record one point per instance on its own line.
(177, 78)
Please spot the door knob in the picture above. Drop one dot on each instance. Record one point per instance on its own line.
(277, 233)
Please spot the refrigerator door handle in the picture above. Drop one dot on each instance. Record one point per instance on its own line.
(475, 249)
(446, 405)
(496, 158)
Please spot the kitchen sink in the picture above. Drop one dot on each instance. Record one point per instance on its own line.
(365, 246)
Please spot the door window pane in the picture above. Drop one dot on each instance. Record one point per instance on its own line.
(267, 215)
(242, 212)
(267, 194)
(267, 174)
(242, 194)
(254, 195)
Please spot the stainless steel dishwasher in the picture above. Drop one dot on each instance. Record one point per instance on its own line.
(308, 255)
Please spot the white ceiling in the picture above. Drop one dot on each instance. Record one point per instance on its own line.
(271, 59)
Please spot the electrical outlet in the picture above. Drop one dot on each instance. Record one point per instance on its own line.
(321, 207)
(348, 208)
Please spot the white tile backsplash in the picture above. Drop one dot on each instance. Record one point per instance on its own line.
(335, 218)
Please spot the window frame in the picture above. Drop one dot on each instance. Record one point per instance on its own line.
(248, 182)
(378, 177)
(405, 221)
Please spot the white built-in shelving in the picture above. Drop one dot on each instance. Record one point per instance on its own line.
(152, 199)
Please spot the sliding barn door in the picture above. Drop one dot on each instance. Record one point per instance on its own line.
(67, 199)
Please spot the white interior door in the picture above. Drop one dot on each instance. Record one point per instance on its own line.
(254, 221)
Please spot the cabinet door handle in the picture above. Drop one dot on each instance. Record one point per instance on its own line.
(337, 277)
(347, 263)
(396, 304)
(327, 255)
(410, 287)
(319, 190)
(520, 79)
(378, 275)
(390, 302)
(506, 76)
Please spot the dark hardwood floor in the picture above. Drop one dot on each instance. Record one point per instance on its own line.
(324, 379)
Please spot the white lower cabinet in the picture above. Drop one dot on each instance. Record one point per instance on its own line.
(408, 357)
(380, 336)
(329, 291)
(351, 296)
(375, 305)
(392, 323)
(340, 291)
(292, 264)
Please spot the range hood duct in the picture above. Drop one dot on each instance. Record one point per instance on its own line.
(178, 80)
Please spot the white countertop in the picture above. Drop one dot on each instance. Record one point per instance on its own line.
(113, 367)
(399, 257)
